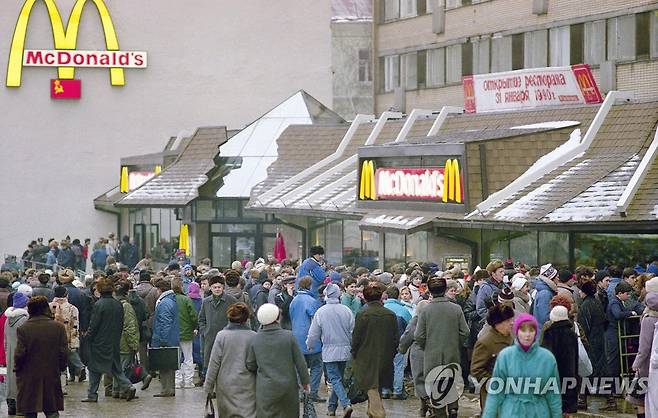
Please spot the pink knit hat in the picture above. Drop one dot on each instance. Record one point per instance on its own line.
(194, 291)
(524, 317)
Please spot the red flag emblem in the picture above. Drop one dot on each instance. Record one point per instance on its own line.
(65, 89)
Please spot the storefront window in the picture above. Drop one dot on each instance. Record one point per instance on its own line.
(417, 247)
(205, 210)
(236, 228)
(227, 208)
(495, 245)
(603, 250)
(334, 242)
(394, 249)
(523, 247)
(370, 253)
(554, 248)
(351, 242)
(318, 232)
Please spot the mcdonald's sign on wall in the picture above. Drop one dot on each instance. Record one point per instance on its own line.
(438, 184)
(529, 88)
(65, 56)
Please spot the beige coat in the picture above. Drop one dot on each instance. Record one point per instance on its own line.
(67, 314)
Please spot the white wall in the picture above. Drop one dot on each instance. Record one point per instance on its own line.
(210, 63)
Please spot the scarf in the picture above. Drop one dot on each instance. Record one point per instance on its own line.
(523, 296)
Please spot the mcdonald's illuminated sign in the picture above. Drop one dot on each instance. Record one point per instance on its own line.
(65, 56)
(440, 184)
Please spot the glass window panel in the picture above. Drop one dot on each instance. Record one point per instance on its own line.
(642, 31)
(554, 248)
(603, 250)
(318, 235)
(517, 51)
(559, 46)
(236, 228)
(595, 42)
(536, 49)
(227, 208)
(621, 38)
(654, 34)
(501, 54)
(365, 73)
(221, 251)
(417, 247)
(409, 66)
(245, 248)
(334, 245)
(391, 9)
(408, 8)
(454, 63)
(576, 35)
(393, 249)
(370, 256)
(436, 67)
(205, 210)
(481, 53)
(495, 245)
(523, 248)
(391, 72)
(351, 242)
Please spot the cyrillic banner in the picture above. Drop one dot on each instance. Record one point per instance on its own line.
(530, 88)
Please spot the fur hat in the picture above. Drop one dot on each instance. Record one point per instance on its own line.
(589, 288)
(66, 276)
(559, 313)
(518, 281)
(652, 285)
(268, 314)
(20, 300)
(547, 271)
(498, 314)
(332, 291)
(60, 292)
(236, 265)
(25, 289)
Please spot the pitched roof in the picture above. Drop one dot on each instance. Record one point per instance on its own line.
(178, 184)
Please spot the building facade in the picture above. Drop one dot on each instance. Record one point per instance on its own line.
(423, 48)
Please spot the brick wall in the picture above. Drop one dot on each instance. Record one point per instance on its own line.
(640, 78)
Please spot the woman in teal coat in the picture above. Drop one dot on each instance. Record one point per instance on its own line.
(524, 362)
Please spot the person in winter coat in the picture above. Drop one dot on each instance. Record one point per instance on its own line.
(284, 299)
(227, 375)
(99, 258)
(374, 343)
(212, 317)
(313, 267)
(333, 324)
(616, 313)
(233, 288)
(166, 333)
(602, 280)
(194, 293)
(651, 397)
(39, 359)
(262, 294)
(302, 308)
(104, 337)
(43, 288)
(490, 344)
(350, 297)
(441, 332)
(521, 295)
(5, 279)
(67, 314)
(51, 256)
(561, 340)
(591, 318)
(416, 358)
(66, 256)
(275, 357)
(403, 316)
(525, 360)
(546, 288)
(128, 253)
(647, 325)
(488, 290)
(16, 316)
(129, 344)
(188, 319)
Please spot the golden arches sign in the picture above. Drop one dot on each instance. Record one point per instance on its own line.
(452, 185)
(367, 181)
(63, 39)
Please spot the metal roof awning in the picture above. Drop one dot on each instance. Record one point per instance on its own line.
(399, 223)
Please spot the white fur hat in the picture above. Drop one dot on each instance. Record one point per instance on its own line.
(652, 285)
(267, 314)
(518, 281)
(559, 313)
(25, 289)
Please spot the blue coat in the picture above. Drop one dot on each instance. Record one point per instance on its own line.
(486, 291)
(614, 281)
(398, 308)
(99, 258)
(302, 309)
(166, 329)
(310, 267)
(514, 363)
(541, 307)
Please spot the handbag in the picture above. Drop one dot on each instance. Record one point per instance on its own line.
(309, 407)
(135, 372)
(210, 407)
(164, 358)
(584, 363)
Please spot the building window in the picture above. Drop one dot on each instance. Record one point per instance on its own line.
(429, 6)
(523, 247)
(334, 242)
(595, 42)
(621, 38)
(654, 34)
(417, 247)
(554, 249)
(481, 54)
(351, 242)
(394, 250)
(370, 249)
(603, 250)
(536, 49)
(559, 46)
(467, 59)
(421, 66)
(410, 71)
(501, 54)
(642, 31)
(453, 4)
(436, 67)
(391, 72)
(408, 8)
(576, 34)
(454, 63)
(391, 10)
(517, 51)
(365, 74)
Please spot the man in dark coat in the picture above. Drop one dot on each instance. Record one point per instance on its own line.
(374, 344)
(40, 357)
(43, 289)
(104, 336)
(212, 317)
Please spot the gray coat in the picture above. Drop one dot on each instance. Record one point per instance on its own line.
(15, 318)
(212, 319)
(228, 375)
(441, 332)
(276, 359)
(416, 356)
(333, 325)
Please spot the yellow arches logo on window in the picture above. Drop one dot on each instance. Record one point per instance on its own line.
(452, 185)
(367, 182)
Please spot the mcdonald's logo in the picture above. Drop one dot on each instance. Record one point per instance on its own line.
(65, 56)
(367, 181)
(452, 184)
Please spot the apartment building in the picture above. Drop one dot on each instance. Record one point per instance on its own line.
(423, 48)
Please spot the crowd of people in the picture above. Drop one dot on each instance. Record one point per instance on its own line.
(259, 336)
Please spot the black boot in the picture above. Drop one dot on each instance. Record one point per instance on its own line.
(423, 407)
(11, 407)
